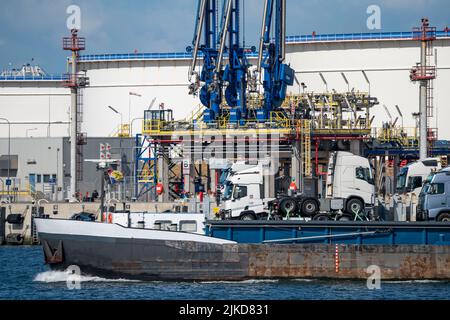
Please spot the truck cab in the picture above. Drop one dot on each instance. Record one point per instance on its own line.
(232, 169)
(350, 177)
(434, 199)
(412, 177)
(243, 194)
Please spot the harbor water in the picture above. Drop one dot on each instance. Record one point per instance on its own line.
(23, 276)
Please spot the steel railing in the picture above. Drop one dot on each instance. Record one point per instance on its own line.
(57, 77)
(289, 39)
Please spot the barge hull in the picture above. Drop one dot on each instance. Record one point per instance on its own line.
(150, 259)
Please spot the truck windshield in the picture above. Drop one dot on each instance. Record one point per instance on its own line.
(224, 176)
(228, 192)
(430, 177)
(364, 174)
(401, 179)
(424, 190)
(436, 188)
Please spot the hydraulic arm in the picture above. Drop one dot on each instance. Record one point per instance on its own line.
(214, 75)
(277, 75)
(211, 91)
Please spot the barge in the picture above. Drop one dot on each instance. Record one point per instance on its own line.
(240, 250)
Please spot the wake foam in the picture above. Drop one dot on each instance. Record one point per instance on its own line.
(250, 281)
(303, 280)
(64, 276)
(413, 281)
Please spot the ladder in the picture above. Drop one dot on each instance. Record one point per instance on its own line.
(430, 101)
(429, 57)
(80, 102)
(196, 114)
(172, 169)
(80, 161)
(306, 147)
(80, 136)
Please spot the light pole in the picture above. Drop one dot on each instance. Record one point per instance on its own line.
(121, 135)
(400, 114)
(8, 182)
(324, 81)
(132, 122)
(346, 81)
(28, 130)
(119, 113)
(134, 155)
(366, 78)
(129, 104)
(56, 182)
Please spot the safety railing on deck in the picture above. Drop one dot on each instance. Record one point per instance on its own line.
(195, 114)
(15, 191)
(280, 120)
(276, 121)
(406, 137)
(360, 36)
(154, 127)
(57, 77)
(122, 131)
(289, 39)
(144, 56)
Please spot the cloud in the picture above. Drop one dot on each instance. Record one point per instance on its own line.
(121, 26)
(411, 4)
(38, 14)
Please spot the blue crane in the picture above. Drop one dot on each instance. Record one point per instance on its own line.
(211, 92)
(235, 73)
(277, 75)
(213, 74)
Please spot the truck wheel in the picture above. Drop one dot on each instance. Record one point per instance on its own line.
(276, 217)
(288, 205)
(310, 207)
(444, 217)
(345, 217)
(262, 216)
(248, 216)
(355, 206)
(321, 217)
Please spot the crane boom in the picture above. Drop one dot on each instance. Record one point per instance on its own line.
(206, 28)
(197, 34)
(223, 33)
(262, 39)
(277, 75)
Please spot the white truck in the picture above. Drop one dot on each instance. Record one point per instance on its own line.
(243, 194)
(410, 182)
(231, 169)
(351, 178)
(350, 188)
(411, 178)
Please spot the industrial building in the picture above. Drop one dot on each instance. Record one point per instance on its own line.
(40, 167)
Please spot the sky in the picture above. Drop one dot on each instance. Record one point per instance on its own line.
(31, 30)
